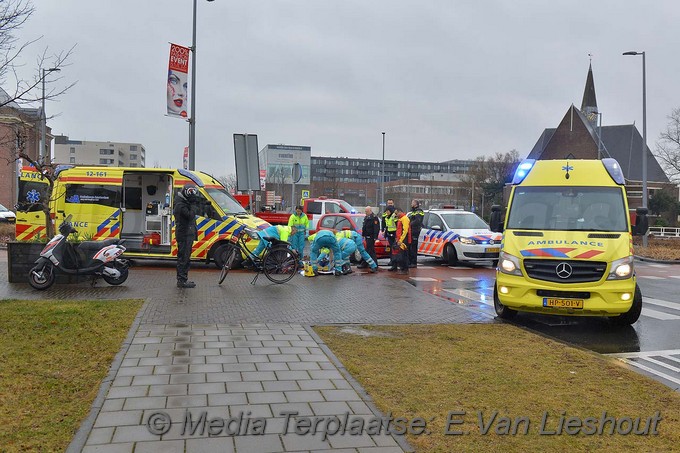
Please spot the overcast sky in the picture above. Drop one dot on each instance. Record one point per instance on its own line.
(446, 79)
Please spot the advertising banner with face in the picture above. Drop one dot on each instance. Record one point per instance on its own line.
(178, 70)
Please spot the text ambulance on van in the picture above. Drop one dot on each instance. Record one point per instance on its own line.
(567, 245)
(134, 204)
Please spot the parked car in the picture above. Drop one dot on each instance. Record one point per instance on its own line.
(344, 221)
(6, 215)
(456, 235)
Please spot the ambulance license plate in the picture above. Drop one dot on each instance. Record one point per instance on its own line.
(493, 249)
(563, 303)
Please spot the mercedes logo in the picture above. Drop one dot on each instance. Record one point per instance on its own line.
(563, 270)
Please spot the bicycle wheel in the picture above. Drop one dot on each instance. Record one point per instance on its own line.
(280, 264)
(229, 257)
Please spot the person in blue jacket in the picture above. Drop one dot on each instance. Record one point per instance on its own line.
(324, 238)
(280, 232)
(349, 242)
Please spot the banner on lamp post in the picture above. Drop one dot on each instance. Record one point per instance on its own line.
(185, 158)
(178, 70)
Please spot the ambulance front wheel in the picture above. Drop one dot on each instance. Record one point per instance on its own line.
(222, 253)
(502, 311)
(632, 315)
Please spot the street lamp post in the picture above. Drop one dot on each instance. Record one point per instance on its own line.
(43, 142)
(382, 175)
(192, 120)
(644, 134)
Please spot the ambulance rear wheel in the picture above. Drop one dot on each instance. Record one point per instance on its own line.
(502, 311)
(450, 254)
(42, 276)
(632, 315)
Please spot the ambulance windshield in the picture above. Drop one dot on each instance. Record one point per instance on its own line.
(568, 209)
(225, 201)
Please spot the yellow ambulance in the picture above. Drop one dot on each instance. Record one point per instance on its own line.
(567, 244)
(134, 204)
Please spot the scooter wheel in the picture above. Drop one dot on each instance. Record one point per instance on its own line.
(41, 277)
(117, 280)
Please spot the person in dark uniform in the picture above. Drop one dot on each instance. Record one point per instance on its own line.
(416, 216)
(370, 231)
(185, 232)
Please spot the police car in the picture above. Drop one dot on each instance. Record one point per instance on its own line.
(6, 215)
(455, 235)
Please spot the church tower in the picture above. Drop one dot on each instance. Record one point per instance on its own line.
(589, 103)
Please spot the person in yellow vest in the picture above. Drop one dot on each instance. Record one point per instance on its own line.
(280, 232)
(389, 228)
(300, 221)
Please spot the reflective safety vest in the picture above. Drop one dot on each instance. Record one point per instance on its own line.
(300, 222)
(390, 221)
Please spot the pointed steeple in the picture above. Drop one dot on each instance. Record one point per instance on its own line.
(589, 103)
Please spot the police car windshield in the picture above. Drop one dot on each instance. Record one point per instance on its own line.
(464, 221)
(568, 209)
(225, 201)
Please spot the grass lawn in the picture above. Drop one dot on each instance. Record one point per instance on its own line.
(428, 370)
(53, 357)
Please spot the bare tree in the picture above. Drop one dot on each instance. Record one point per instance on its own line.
(229, 182)
(13, 15)
(668, 146)
(490, 174)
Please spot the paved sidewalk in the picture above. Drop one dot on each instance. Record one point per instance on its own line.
(172, 372)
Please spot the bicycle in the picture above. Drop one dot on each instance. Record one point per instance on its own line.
(279, 262)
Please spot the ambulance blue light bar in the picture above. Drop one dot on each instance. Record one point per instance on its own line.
(523, 170)
(614, 170)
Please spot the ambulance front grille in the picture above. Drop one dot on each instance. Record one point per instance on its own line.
(578, 271)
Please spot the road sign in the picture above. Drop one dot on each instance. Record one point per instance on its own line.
(305, 194)
(247, 162)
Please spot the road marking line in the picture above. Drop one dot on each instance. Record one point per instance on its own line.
(659, 265)
(625, 355)
(465, 279)
(424, 279)
(662, 364)
(674, 276)
(652, 371)
(472, 295)
(651, 277)
(420, 266)
(661, 303)
(658, 314)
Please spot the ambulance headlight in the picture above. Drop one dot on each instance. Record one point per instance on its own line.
(621, 269)
(509, 264)
(252, 233)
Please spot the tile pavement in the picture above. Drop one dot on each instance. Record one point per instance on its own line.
(236, 377)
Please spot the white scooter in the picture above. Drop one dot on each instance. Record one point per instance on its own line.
(96, 258)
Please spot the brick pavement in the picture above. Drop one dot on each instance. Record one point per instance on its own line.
(238, 349)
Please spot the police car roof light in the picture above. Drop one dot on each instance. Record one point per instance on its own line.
(614, 170)
(523, 170)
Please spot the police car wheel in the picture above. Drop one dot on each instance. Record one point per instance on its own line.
(450, 254)
(502, 311)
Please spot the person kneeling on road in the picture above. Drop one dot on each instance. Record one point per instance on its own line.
(350, 242)
(280, 232)
(324, 238)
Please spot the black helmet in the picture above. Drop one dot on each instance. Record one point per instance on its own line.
(190, 191)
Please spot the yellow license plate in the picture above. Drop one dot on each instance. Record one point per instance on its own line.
(493, 249)
(563, 303)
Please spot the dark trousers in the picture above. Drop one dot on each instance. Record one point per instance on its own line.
(400, 259)
(184, 244)
(413, 251)
(392, 240)
(370, 248)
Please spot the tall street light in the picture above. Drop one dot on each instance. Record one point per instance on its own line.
(192, 120)
(382, 173)
(644, 135)
(43, 143)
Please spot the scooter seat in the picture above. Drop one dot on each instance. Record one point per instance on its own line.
(93, 246)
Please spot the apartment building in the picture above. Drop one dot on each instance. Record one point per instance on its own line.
(111, 154)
